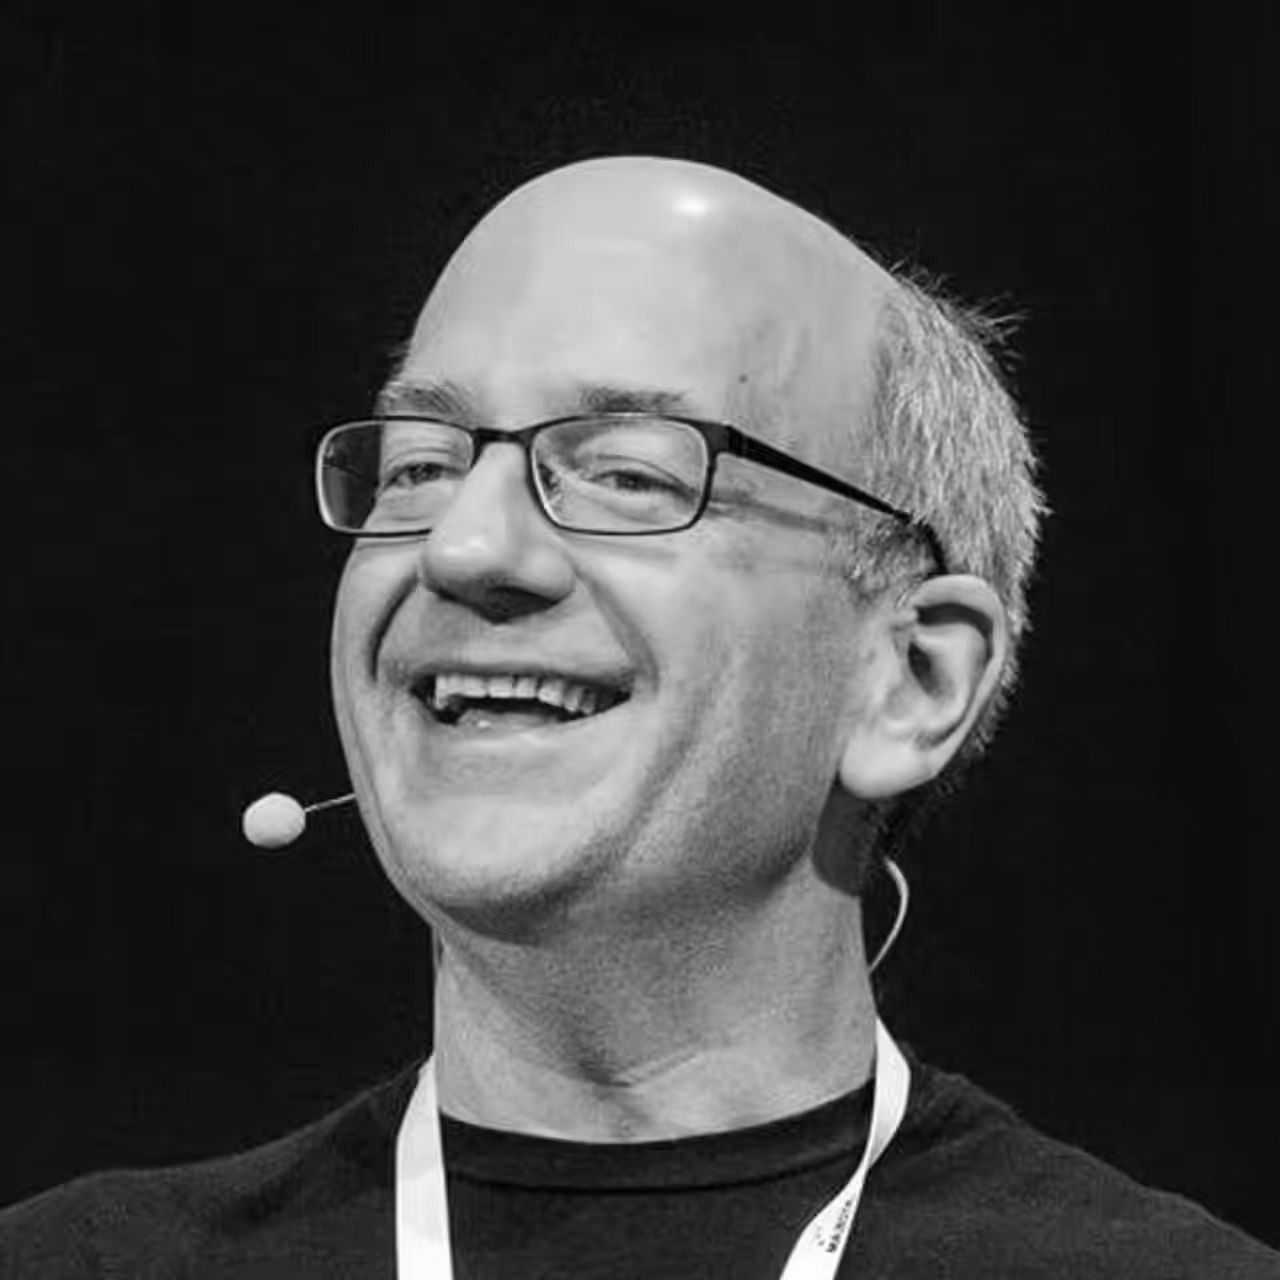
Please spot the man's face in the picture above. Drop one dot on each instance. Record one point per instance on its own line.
(730, 651)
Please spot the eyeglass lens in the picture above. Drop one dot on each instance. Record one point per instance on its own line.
(591, 474)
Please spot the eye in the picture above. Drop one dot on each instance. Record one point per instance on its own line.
(637, 466)
(631, 478)
(413, 473)
(408, 474)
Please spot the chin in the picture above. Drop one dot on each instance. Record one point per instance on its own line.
(500, 869)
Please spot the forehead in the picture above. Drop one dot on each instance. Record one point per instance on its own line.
(665, 279)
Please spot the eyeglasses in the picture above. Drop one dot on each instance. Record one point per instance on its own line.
(610, 474)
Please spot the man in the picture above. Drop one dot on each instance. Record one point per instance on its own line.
(690, 552)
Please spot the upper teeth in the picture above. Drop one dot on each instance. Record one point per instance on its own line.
(578, 699)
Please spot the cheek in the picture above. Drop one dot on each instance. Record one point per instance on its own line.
(344, 668)
(791, 675)
(345, 641)
(373, 582)
(757, 658)
(757, 741)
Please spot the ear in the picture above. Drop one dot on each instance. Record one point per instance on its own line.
(935, 663)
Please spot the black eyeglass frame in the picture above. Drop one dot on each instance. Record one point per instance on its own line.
(719, 438)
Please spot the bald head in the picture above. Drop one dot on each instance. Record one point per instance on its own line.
(683, 207)
(661, 274)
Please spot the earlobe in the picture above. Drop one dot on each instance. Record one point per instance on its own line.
(936, 663)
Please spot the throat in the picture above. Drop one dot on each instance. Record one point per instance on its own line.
(710, 1090)
(629, 1047)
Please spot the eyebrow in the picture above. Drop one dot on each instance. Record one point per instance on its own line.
(452, 402)
(604, 398)
(431, 399)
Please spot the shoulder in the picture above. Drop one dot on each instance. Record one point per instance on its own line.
(968, 1179)
(340, 1164)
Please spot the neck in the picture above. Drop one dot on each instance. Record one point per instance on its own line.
(700, 1026)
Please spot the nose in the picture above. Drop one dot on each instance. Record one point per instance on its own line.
(494, 550)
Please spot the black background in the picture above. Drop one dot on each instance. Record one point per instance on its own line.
(219, 228)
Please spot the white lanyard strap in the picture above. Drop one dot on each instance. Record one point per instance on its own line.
(422, 1211)
(817, 1253)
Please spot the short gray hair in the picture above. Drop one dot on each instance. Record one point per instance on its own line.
(945, 441)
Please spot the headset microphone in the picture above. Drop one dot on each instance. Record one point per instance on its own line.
(276, 820)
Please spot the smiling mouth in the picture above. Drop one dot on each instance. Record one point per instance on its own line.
(509, 703)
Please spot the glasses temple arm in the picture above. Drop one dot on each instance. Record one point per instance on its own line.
(754, 451)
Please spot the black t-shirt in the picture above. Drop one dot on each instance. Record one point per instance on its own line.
(966, 1190)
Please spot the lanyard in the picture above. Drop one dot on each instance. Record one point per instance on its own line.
(422, 1212)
